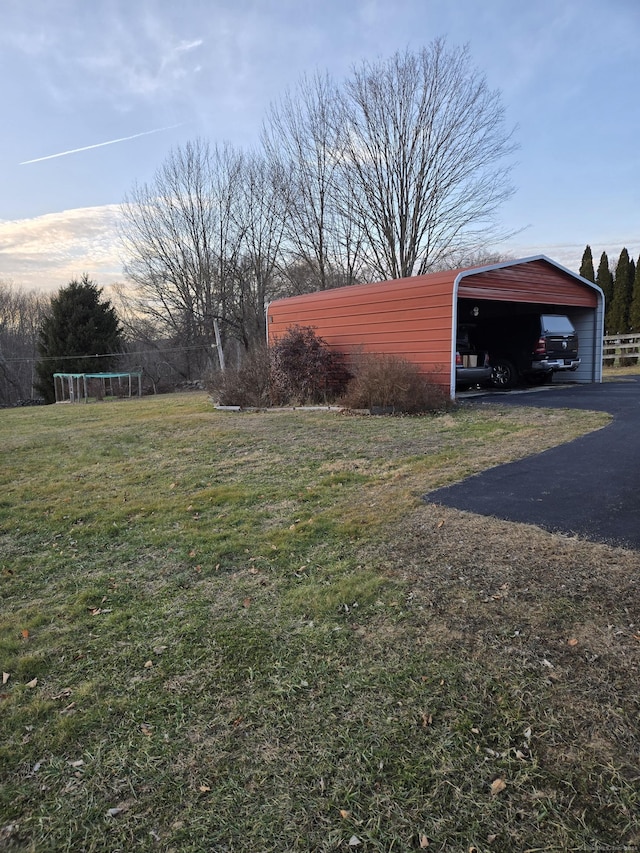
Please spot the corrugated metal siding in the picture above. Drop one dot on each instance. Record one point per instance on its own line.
(414, 317)
(410, 318)
(534, 281)
(588, 326)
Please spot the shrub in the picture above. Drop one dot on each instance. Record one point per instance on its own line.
(391, 384)
(246, 385)
(304, 369)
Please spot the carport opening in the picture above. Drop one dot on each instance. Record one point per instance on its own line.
(486, 321)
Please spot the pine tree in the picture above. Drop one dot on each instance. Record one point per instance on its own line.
(634, 311)
(621, 301)
(604, 280)
(79, 326)
(586, 267)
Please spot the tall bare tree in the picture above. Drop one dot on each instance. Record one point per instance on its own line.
(202, 245)
(425, 155)
(302, 134)
(181, 241)
(261, 211)
(399, 171)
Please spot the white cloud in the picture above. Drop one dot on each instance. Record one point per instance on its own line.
(140, 54)
(46, 252)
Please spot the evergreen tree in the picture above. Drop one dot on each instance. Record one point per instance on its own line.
(78, 327)
(604, 280)
(586, 267)
(634, 311)
(621, 301)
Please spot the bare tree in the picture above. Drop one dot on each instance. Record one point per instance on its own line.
(203, 246)
(302, 134)
(151, 346)
(21, 315)
(400, 171)
(181, 242)
(424, 152)
(261, 211)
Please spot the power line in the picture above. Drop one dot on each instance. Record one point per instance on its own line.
(106, 354)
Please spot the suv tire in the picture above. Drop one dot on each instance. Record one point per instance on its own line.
(503, 373)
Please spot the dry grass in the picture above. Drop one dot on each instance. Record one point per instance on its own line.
(250, 633)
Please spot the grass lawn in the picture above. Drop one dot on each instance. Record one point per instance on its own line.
(247, 632)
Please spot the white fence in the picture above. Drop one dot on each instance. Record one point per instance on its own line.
(621, 350)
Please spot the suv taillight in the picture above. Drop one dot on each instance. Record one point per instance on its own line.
(540, 347)
(458, 360)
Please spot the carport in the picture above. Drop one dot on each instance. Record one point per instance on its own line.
(416, 318)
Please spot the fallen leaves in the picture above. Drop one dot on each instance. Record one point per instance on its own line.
(5, 677)
(572, 641)
(497, 786)
(24, 634)
(64, 694)
(33, 683)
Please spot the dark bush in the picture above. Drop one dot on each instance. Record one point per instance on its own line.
(304, 369)
(387, 383)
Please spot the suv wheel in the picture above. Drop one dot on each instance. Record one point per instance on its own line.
(503, 373)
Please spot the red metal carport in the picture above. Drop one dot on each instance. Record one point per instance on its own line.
(416, 318)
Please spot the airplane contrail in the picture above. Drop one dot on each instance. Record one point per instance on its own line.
(98, 145)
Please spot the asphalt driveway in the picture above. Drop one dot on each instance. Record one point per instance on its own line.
(589, 487)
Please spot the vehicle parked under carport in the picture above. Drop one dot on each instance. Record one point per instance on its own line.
(530, 346)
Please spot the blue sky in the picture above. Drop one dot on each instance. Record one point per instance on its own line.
(154, 74)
